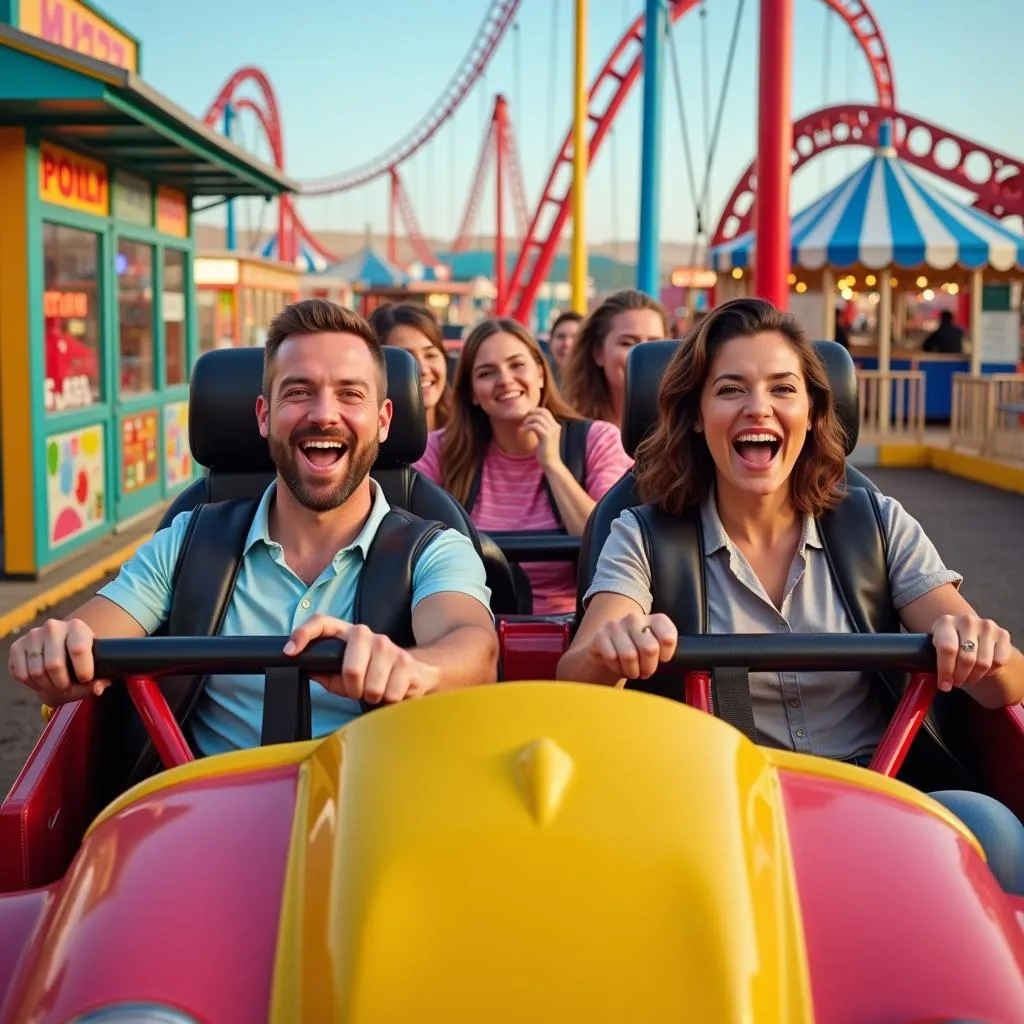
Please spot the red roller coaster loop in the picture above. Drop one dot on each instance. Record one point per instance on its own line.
(607, 94)
(996, 178)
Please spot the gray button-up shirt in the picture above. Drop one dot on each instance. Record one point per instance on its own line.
(832, 714)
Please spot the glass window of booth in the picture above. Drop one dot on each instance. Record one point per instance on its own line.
(207, 319)
(175, 353)
(134, 267)
(71, 318)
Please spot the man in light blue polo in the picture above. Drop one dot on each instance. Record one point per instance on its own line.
(324, 413)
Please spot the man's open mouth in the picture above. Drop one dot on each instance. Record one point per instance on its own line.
(757, 448)
(323, 453)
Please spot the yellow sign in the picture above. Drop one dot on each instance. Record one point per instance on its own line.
(75, 26)
(67, 179)
(171, 212)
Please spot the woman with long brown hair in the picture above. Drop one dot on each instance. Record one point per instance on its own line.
(749, 444)
(415, 328)
(505, 450)
(595, 374)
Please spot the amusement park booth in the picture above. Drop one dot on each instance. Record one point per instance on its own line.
(375, 281)
(889, 236)
(99, 179)
(238, 295)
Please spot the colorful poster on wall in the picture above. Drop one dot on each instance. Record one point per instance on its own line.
(140, 445)
(177, 456)
(171, 212)
(75, 483)
(133, 199)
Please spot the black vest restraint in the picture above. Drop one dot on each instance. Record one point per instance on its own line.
(856, 550)
(203, 582)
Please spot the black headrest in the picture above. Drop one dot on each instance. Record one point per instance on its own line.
(222, 429)
(647, 363)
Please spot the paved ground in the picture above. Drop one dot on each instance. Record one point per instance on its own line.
(978, 530)
(20, 720)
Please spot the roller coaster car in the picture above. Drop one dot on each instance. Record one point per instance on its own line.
(528, 851)
(536, 851)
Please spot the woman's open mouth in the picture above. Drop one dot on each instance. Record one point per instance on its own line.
(757, 449)
(322, 455)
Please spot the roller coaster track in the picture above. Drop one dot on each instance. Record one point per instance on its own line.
(291, 228)
(997, 178)
(605, 98)
(500, 16)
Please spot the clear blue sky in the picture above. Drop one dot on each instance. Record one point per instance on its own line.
(351, 76)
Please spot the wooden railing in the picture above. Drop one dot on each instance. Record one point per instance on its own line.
(988, 415)
(891, 405)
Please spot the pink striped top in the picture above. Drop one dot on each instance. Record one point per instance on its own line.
(512, 497)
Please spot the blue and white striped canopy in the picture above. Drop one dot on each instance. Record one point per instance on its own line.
(368, 269)
(308, 261)
(887, 214)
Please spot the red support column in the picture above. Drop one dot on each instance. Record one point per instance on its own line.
(392, 205)
(500, 120)
(774, 145)
(283, 226)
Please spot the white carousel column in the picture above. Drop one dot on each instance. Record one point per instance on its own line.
(976, 288)
(828, 307)
(885, 324)
(884, 352)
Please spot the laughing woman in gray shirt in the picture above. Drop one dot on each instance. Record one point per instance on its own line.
(747, 434)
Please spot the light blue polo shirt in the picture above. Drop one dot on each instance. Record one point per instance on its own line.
(270, 600)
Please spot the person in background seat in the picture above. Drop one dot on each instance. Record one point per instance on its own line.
(564, 332)
(947, 338)
(516, 456)
(749, 445)
(595, 375)
(416, 329)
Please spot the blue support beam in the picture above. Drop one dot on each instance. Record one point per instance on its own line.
(230, 238)
(649, 251)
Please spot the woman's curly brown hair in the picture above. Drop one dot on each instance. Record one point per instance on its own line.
(468, 433)
(674, 468)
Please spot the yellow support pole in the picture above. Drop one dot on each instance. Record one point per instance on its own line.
(578, 255)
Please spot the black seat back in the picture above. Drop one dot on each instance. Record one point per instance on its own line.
(645, 367)
(225, 440)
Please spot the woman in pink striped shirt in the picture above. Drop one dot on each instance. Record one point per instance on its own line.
(501, 454)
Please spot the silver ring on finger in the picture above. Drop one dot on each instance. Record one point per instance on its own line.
(35, 654)
(968, 645)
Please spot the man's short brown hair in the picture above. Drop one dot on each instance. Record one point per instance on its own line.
(320, 316)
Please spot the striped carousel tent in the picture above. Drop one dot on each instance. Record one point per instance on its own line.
(888, 214)
(368, 269)
(309, 261)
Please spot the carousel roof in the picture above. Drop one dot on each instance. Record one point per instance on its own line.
(888, 214)
(369, 269)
